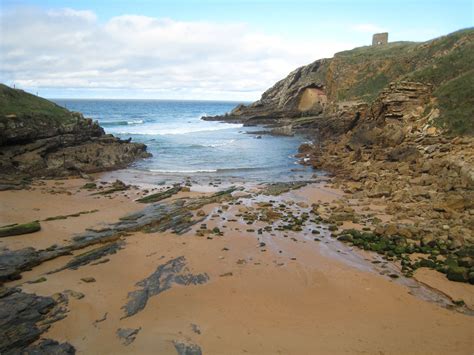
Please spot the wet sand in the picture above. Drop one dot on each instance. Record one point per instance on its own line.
(294, 295)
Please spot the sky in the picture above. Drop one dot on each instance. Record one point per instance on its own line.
(190, 49)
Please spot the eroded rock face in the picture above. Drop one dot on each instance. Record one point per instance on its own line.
(39, 138)
(23, 318)
(329, 96)
(301, 91)
(395, 154)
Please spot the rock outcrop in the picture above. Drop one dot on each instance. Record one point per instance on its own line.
(40, 138)
(394, 125)
(161, 280)
(176, 216)
(329, 94)
(24, 317)
(395, 154)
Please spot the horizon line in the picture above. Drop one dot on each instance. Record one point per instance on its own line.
(141, 99)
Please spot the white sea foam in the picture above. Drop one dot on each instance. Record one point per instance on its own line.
(151, 131)
(135, 122)
(183, 171)
(216, 145)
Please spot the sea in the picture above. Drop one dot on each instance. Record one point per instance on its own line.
(183, 145)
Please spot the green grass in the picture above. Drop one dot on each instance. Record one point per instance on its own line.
(445, 62)
(457, 60)
(456, 103)
(22, 104)
(371, 69)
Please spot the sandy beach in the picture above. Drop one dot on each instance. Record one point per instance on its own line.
(278, 292)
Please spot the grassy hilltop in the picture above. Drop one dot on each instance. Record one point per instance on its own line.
(23, 104)
(358, 76)
(445, 62)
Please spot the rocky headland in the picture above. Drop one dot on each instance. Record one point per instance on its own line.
(394, 125)
(41, 139)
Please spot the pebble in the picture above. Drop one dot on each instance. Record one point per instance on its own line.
(88, 279)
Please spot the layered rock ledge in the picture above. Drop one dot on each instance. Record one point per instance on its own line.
(41, 139)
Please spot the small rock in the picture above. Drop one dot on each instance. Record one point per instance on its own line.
(195, 328)
(127, 335)
(88, 279)
(41, 279)
(457, 273)
(187, 349)
(74, 294)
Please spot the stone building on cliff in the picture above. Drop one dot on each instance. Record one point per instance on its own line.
(380, 38)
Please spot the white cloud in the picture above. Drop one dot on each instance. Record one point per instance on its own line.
(64, 49)
(368, 28)
(73, 14)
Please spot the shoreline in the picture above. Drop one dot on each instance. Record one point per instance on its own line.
(286, 282)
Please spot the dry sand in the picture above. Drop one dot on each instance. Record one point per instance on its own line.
(293, 296)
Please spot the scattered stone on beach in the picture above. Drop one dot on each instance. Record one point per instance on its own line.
(18, 229)
(175, 215)
(74, 294)
(116, 186)
(89, 186)
(195, 328)
(187, 349)
(172, 272)
(282, 187)
(456, 262)
(161, 195)
(88, 279)
(127, 335)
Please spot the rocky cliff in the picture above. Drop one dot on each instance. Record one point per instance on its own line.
(329, 94)
(40, 138)
(394, 124)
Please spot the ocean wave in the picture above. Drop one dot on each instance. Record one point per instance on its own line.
(121, 123)
(214, 145)
(181, 130)
(183, 171)
(197, 171)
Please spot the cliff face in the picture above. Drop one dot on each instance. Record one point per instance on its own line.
(40, 138)
(394, 124)
(329, 93)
